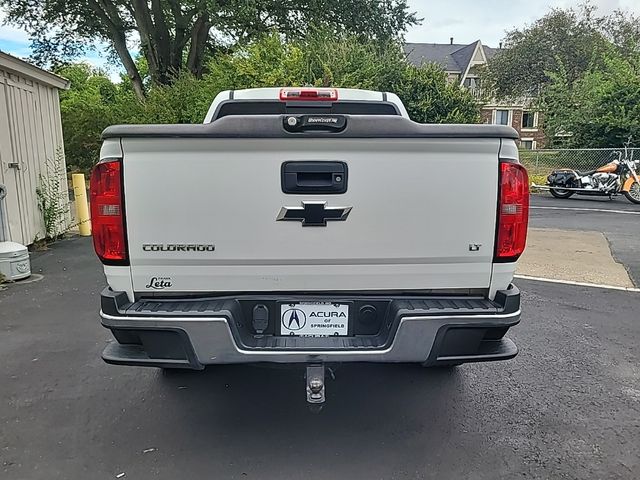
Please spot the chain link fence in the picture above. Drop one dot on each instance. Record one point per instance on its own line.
(541, 163)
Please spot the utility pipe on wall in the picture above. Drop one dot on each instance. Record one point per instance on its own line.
(4, 218)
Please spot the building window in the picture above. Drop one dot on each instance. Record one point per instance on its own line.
(528, 144)
(472, 82)
(529, 120)
(502, 117)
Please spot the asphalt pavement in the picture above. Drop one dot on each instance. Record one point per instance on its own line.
(568, 406)
(617, 219)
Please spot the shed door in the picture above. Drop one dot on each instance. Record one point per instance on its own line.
(13, 228)
(20, 156)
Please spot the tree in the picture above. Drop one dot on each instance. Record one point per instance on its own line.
(177, 34)
(601, 109)
(321, 59)
(622, 29)
(580, 70)
(86, 109)
(430, 98)
(568, 40)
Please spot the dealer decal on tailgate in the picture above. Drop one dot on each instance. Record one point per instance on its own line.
(314, 319)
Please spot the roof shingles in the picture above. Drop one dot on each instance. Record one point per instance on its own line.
(453, 57)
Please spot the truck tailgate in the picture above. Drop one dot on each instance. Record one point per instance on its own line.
(422, 217)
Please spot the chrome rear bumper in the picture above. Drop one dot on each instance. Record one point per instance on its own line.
(432, 338)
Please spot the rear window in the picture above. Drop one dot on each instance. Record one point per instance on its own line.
(268, 107)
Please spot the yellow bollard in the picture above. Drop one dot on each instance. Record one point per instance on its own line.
(82, 207)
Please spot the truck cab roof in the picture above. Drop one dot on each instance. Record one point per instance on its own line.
(273, 101)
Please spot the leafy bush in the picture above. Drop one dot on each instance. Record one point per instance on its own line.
(94, 102)
(581, 69)
(86, 108)
(604, 106)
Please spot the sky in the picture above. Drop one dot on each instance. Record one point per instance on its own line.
(464, 20)
(488, 20)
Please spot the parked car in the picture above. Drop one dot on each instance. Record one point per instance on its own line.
(309, 226)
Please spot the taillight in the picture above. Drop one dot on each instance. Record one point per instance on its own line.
(312, 94)
(107, 215)
(513, 212)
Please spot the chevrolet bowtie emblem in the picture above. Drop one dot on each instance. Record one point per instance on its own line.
(313, 214)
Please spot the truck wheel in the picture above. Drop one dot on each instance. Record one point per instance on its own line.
(633, 195)
(559, 193)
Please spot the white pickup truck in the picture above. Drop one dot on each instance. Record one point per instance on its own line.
(309, 226)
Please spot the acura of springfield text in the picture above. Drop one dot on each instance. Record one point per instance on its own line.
(309, 226)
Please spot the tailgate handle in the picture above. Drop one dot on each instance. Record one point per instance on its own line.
(314, 177)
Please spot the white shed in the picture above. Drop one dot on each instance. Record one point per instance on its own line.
(30, 144)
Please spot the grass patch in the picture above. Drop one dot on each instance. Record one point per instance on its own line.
(538, 180)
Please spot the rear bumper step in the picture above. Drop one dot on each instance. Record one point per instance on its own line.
(502, 349)
(191, 333)
(118, 354)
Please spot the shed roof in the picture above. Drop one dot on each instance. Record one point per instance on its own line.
(15, 65)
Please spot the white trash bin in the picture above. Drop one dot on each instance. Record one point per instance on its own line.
(14, 261)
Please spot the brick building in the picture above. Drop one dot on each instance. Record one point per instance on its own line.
(525, 121)
(462, 64)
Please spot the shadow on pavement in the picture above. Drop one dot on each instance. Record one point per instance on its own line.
(237, 398)
(250, 415)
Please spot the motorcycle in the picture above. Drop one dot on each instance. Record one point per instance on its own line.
(616, 177)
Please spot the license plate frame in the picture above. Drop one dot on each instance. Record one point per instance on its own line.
(334, 316)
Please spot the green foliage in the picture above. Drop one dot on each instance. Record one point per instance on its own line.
(323, 59)
(177, 35)
(581, 70)
(569, 40)
(90, 105)
(622, 29)
(429, 98)
(600, 109)
(538, 179)
(52, 199)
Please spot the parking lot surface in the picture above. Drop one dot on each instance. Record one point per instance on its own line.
(572, 255)
(617, 219)
(567, 407)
